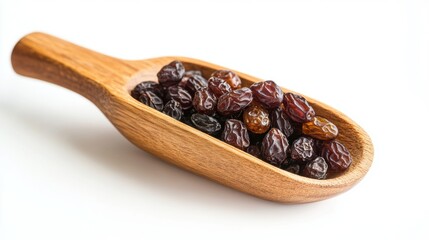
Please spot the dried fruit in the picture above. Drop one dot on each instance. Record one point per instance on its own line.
(235, 134)
(254, 150)
(267, 93)
(205, 123)
(235, 101)
(147, 86)
(256, 118)
(279, 119)
(293, 168)
(297, 108)
(317, 169)
(181, 96)
(320, 128)
(218, 86)
(302, 149)
(336, 155)
(274, 147)
(173, 109)
(230, 77)
(152, 100)
(171, 74)
(195, 83)
(204, 102)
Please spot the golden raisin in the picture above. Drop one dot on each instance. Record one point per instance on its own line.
(257, 119)
(320, 128)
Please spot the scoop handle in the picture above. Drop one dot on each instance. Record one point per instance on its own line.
(81, 70)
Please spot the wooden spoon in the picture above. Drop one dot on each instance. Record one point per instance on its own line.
(107, 82)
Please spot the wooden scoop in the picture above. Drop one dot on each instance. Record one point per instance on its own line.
(107, 82)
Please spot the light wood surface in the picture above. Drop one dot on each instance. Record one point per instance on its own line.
(107, 82)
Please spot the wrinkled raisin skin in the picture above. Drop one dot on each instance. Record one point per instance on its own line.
(235, 101)
(267, 93)
(147, 86)
(204, 102)
(180, 95)
(254, 150)
(173, 109)
(205, 123)
(218, 86)
(152, 100)
(230, 77)
(320, 128)
(302, 149)
(316, 169)
(279, 119)
(297, 108)
(195, 83)
(336, 155)
(293, 168)
(171, 74)
(235, 134)
(257, 119)
(274, 147)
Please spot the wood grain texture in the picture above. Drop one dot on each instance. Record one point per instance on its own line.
(107, 82)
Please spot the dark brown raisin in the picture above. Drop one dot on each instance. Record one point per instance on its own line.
(171, 74)
(173, 109)
(302, 149)
(254, 150)
(297, 108)
(293, 168)
(336, 155)
(235, 134)
(230, 77)
(147, 86)
(152, 100)
(268, 93)
(279, 119)
(235, 101)
(195, 83)
(320, 128)
(274, 147)
(205, 123)
(218, 86)
(180, 95)
(316, 168)
(256, 118)
(204, 102)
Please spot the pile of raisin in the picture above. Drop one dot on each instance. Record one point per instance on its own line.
(280, 128)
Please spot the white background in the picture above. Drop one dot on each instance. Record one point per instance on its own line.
(66, 173)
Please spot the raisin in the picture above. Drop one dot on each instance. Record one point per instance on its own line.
(195, 83)
(279, 119)
(147, 86)
(230, 77)
(204, 102)
(302, 149)
(293, 168)
(173, 109)
(256, 118)
(317, 169)
(254, 150)
(171, 74)
(235, 134)
(180, 95)
(336, 155)
(152, 100)
(205, 123)
(297, 108)
(320, 128)
(274, 147)
(268, 93)
(218, 86)
(235, 101)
